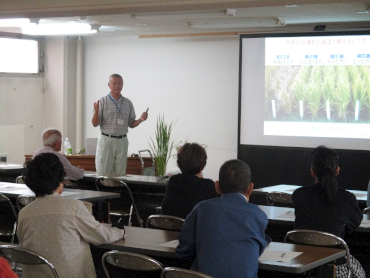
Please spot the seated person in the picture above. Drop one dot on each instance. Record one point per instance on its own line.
(225, 236)
(324, 206)
(58, 228)
(187, 189)
(52, 141)
(5, 269)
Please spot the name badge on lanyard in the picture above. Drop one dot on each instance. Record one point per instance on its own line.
(119, 121)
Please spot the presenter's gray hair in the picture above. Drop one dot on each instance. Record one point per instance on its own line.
(49, 136)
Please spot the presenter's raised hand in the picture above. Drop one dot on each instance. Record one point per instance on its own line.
(144, 116)
(96, 106)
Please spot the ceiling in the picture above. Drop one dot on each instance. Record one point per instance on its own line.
(154, 18)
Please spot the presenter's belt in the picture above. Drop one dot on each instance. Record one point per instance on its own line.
(114, 136)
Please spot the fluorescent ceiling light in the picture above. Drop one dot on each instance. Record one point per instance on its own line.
(14, 22)
(235, 23)
(58, 29)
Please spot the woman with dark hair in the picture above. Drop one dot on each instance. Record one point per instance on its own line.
(58, 228)
(324, 206)
(187, 189)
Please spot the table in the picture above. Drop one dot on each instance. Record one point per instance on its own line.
(13, 190)
(147, 191)
(147, 242)
(88, 162)
(9, 171)
(286, 216)
(286, 188)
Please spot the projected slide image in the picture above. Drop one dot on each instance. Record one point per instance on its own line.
(318, 93)
(317, 86)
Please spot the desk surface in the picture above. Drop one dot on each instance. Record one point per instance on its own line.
(286, 216)
(147, 241)
(10, 167)
(132, 179)
(286, 188)
(13, 190)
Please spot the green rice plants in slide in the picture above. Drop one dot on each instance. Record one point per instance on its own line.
(300, 87)
(365, 74)
(328, 86)
(359, 95)
(342, 92)
(313, 90)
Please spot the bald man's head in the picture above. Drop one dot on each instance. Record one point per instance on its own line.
(52, 138)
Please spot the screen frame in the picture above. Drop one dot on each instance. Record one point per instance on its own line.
(283, 34)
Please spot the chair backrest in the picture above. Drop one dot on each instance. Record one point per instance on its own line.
(24, 200)
(175, 272)
(318, 238)
(104, 183)
(275, 198)
(4, 199)
(130, 261)
(19, 179)
(165, 222)
(366, 210)
(25, 256)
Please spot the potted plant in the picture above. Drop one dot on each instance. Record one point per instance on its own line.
(162, 145)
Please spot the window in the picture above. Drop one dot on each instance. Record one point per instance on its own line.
(19, 56)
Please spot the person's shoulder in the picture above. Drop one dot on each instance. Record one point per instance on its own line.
(345, 193)
(304, 189)
(125, 99)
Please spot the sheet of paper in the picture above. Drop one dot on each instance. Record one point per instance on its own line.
(365, 223)
(278, 256)
(360, 195)
(12, 188)
(289, 214)
(69, 193)
(171, 244)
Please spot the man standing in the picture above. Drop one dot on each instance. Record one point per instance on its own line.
(114, 113)
(52, 141)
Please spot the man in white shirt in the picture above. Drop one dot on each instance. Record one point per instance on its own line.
(52, 141)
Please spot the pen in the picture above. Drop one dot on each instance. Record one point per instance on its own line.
(147, 110)
(283, 255)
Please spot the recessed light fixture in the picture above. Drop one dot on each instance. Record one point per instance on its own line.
(141, 24)
(291, 6)
(14, 22)
(58, 29)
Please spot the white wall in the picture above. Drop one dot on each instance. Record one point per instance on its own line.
(192, 80)
(28, 105)
(21, 110)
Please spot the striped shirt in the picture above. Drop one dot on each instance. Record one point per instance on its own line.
(73, 173)
(111, 110)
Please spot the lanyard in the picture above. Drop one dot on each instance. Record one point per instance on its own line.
(119, 110)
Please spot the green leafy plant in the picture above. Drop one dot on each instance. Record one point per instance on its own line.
(162, 145)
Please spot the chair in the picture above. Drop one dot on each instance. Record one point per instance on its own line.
(317, 238)
(19, 179)
(24, 200)
(8, 228)
(105, 183)
(25, 256)
(165, 222)
(275, 198)
(366, 210)
(148, 171)
(175, 272)
(132, 262)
